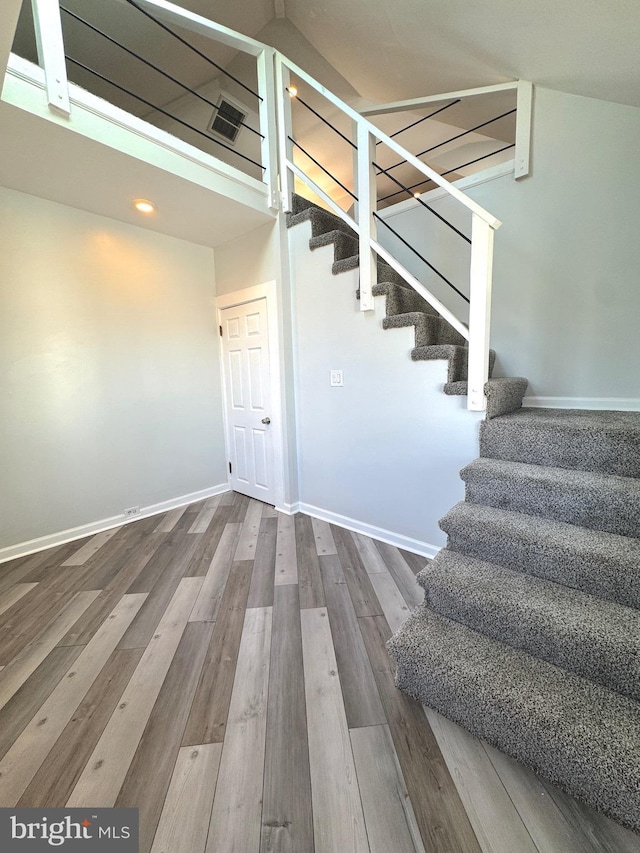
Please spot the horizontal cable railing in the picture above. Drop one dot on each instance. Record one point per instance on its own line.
(239, 142)
(192, 48)
(412, 187)
(365, 219)
(454, 138)
(152, 65)
(421, 120)
(413, 249)
(160, 110)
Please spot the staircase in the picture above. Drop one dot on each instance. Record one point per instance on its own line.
(434, 337)
(529, 635)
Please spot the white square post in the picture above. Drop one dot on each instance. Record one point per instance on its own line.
(48, 27)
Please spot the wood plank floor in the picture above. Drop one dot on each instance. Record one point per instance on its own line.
(223, 669)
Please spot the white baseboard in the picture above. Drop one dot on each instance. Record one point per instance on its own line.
(289, 509)
(617, 404)
(405, 542)
(22, 549)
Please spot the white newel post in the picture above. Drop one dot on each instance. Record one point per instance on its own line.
(366, 207)
(479, 312)
(285, 130)
(268, 126)
(48, 27)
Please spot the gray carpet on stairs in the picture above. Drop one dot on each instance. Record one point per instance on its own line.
(604, 564)
(529, 636)
(599, 501)
(590, 441)
(578, 734)
(530, 631)
(594, 638)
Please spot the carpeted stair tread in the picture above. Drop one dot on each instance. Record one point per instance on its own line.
(603, 564)
(344, 245)
(600, 501)
(587, 440)
(402, 300)
(457, 356)
(428, 328)
(321, 221)
(578, 734)
(504, 394)
(594, 638)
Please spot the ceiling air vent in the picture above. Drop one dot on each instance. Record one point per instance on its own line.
(226, 121)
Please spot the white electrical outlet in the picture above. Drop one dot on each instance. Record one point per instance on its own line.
(133, 510)
(336, 380)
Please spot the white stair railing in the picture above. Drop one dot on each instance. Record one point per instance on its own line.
(280, 170)
(364, 223)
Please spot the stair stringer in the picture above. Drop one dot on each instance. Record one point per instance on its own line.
(385, 449)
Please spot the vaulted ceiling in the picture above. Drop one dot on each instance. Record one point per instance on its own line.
(396, 49)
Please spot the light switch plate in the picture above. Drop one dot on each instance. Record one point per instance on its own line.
(337, 380)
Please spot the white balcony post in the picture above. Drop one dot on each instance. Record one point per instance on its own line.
(366, 207)
(285, 130)
(479, 312)
(523, 128)
(48, 27)
(268, 126)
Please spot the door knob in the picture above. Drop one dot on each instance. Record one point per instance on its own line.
(266, 421)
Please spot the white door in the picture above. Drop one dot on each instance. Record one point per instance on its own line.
(245, 344)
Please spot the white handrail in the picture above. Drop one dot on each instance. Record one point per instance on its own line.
(453, 191)
(416, 103)
(483, 223)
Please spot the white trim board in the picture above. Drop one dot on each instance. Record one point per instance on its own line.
(425, 549)
(23, 549)
(602, 404)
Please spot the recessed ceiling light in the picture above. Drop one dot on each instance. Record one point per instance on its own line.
(144, 205)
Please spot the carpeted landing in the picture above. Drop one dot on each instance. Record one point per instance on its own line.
(529, 635)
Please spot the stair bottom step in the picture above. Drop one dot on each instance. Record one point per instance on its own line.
(582, 737)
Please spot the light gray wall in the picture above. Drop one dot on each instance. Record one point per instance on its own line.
(110, 384)
(384, 450)
(257, 258)
(567, 258)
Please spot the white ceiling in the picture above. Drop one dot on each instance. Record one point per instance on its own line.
(395, 49)
(47, 160)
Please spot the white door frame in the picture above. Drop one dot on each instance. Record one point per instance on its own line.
(269, 292)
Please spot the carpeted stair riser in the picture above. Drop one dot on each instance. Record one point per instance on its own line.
(594, 638)
(321, 221)
(579, 735)
(402, 300)
(344, 245)
(589, 441)
(603, 564)
(457, 356)
(428, 329)
(598, 501)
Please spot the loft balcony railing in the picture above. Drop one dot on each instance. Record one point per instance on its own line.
(59, 26)
(371, 159)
